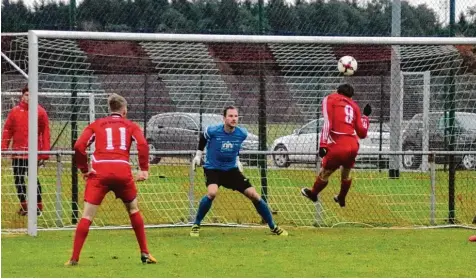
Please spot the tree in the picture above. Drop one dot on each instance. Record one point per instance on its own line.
(15, 16)
(281, 17)
(227, 17)
(174, 21)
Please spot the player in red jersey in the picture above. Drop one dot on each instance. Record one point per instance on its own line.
(110, 171)
(339, 140)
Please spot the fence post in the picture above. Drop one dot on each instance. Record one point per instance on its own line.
(191, 199)
(431, 160)
(58, 204)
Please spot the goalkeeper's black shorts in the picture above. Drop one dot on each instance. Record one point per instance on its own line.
(232, 179)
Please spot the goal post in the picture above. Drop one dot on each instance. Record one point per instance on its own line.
(189, 73)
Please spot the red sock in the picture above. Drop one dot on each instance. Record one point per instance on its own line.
(344, 188)
(318, 186)
(138, 225)
(80, 236)
(40, 206)
(24, 206)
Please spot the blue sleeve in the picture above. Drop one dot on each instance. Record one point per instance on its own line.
(245, 133)
(208, 133)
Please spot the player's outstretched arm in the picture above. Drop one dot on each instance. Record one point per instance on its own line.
(239, 164)
(362, 121)
(327, 113)
(44, 131)
(80, 147)
(142, 148)
(202, 142)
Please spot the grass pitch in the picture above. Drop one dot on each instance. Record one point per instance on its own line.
(244, 252)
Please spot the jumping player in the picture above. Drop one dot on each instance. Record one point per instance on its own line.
(339, 140)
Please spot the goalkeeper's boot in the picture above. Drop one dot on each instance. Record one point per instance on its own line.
(195, 231)
(340, 201)
(308, 194)
(147, 258)
(278, 231)
(71, 263)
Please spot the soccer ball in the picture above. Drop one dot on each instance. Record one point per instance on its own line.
(347, 65)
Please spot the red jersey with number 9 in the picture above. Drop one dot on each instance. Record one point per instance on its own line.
(342, 120)
(112, 136)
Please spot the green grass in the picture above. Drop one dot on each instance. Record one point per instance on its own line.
(374, 199)
(238, 252)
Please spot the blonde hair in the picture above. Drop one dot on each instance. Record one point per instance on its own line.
(116, 102)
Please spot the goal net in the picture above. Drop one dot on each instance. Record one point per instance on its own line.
(176, 85)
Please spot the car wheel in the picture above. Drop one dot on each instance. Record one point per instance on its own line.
(411, 161)
(153, 159)
(281, 161)
(469, 162)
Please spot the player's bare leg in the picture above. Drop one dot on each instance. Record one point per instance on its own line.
(263, 211)
(137, 223)
(346, 182)
(203, 208)
(82, 231)
(319, 185)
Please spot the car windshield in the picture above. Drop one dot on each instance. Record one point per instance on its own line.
(467, 121)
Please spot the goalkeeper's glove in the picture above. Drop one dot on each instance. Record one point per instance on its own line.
(197, 160)
(322, 152)
(367, 110)
(239, 164)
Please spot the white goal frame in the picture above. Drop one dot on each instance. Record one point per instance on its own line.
(33, 58)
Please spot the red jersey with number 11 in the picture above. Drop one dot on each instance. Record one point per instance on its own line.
(342, 120)
(113, 136)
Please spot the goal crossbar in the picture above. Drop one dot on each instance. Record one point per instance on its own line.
(251, 38)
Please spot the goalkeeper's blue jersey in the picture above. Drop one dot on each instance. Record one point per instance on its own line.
(222, 147)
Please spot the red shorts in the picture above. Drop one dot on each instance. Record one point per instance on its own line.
(116, 177)
(341, 153)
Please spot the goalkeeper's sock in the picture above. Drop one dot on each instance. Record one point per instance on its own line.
(137, 223)
(82, 231)
(318, 186)
(265, 213)
(203, 207)
(344, 189)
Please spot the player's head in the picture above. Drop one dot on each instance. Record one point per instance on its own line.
(25, 94)
(117, 104)
(346, 90)
(230, 116)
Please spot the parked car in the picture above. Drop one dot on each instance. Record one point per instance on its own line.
(304, 140)
(180, 131)
(465, 136)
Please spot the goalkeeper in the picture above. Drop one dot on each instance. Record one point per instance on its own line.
(339, 140)
(223, 168)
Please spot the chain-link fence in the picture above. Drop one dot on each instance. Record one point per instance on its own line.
(427, 105)
(170, 197)
(361, 17)
(175, 89)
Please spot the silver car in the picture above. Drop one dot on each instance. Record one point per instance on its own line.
(304, 140)
(180, 131)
